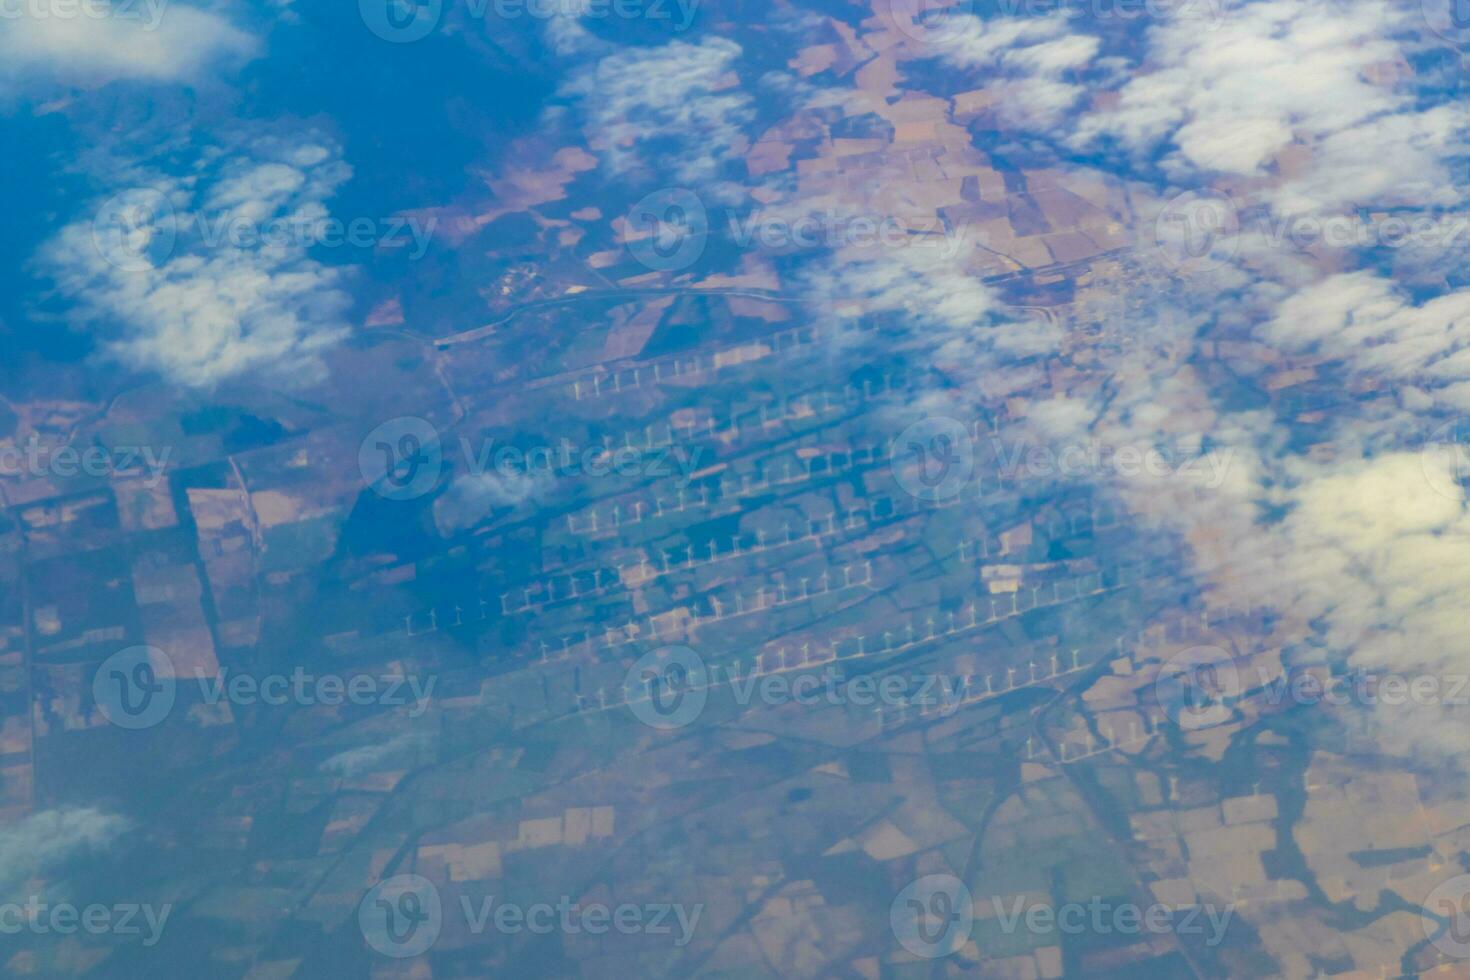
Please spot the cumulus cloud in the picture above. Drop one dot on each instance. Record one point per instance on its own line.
(1322, 76)
(206, 275)
(473, 497)
(1369, 323)
(1024, 61)
(1372, 551)
(104, 41)
(676, 106)
(400, 751)
(906, 281)
(944, 304)
(1352, 551)
(1405, 158)
(1229, 99)
(46, 840)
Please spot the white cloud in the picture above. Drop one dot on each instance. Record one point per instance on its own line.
(946, 305)
(1373, 551)
(46, 840)
(671, 106)
(399, 751)
(1023, 61)
(151, 40)
(1368, 322)
(474, 497)
(1269, 68)
(1401, 158)
(1274, 74)
(911, 280)
(1364, 558)
(182, 295)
